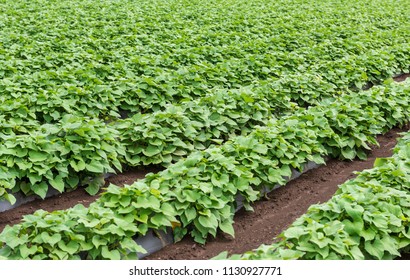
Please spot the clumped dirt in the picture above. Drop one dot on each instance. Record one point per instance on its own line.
(273, 215)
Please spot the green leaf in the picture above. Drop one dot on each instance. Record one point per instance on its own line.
(73, 164)
(150, 202)
(241, 183)
(208, 222)
(81, 165)
(355, 212)
(290, 254)
(375, 248)
(294, 232)
(41, 189)
(190, 214)
(348, 153)
(95, 167)
(36, 156)
(95, 185)
(192, 196)
(71, 247)
(332, 228)
(10, 198)
(227, 227)
(131, 245)
(21, 152)
(52, 240)
(160, 220)
(318, 159)
(261, 149)
(73, 181)
(98, 241)
(34, 178)
(58, 183)
(26, 251)
(62, 255)
(86, 246)
(353, 228)
(390, 245)
(356, 253)
(221, 256)
(285, 170)
(111, 255)
(368, 234)
(379, 162)
(151, 150)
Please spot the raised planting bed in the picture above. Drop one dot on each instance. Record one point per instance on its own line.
(154, 241)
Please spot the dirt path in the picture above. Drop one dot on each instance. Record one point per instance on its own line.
(402, 77)
(284, 205)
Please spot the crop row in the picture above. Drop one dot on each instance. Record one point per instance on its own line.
(63, 156)
(106, 58)
(164, 137)
(367, 218)
(196, 195)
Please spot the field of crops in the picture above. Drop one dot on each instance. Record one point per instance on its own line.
(230, 98)
(367, 218)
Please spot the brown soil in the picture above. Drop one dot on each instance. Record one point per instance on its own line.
(402, 77)
(273, 215)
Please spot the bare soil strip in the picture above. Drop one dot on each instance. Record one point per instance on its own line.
(402, 77)
(273, 215)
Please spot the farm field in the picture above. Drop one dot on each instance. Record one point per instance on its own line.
(199, 106)
(283, 206)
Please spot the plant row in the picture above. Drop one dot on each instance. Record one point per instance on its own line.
(164, 137)
(367, 218)
(110, 58)
(197, 195)
(63, 156)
